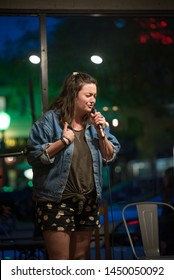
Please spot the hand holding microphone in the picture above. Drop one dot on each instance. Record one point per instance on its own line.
(99, 122)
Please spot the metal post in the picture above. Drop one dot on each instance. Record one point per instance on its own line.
(44, 63)
(4, 167)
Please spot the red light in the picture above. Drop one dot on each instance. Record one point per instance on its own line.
(143, 38)
(166, 40)
(135, 222)
(155, 35)
(169, 40)
(163, 23)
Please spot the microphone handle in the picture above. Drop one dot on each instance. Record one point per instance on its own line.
(99, 126)
(101, 131)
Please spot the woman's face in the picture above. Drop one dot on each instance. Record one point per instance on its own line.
(86, 99)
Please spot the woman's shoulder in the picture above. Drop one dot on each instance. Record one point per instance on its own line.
(50, 114)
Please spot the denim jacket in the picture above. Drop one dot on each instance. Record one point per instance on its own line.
(50, 175)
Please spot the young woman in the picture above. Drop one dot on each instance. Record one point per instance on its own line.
(67, 148)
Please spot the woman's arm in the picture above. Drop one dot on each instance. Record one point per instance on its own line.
(109, 145)
(66, 139)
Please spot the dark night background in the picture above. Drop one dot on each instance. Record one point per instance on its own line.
(135, 86)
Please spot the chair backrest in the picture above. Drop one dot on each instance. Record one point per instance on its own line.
(148, 214)
(97, 234)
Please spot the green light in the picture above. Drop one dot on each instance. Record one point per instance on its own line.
(30, 184)
(7, 189)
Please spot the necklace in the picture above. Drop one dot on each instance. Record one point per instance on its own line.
(79, 134)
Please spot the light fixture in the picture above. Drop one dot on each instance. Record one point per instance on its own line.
(34, 59)
(115, 122)
(96, 59)
(105, 108)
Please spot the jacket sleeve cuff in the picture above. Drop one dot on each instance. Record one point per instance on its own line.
(113, 156)
(45, 159)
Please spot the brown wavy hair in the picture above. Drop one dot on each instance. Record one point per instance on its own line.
(65, 102)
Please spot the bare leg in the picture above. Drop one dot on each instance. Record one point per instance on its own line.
(57, 244)
(80, 245)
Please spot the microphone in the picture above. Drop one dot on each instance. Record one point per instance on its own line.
(99, 126)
